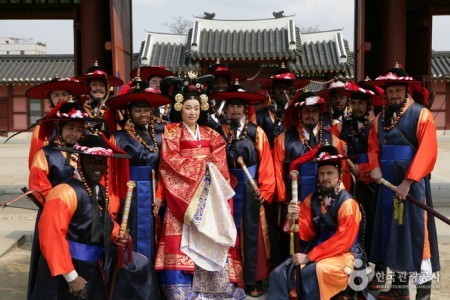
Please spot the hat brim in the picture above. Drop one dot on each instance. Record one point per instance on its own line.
(71, 150)
(43, 90)
(250, 98)
(232, 75)
(122, 101)
(393, 82)
(87, 119)
(112, 80)
(326, 93)
(149, 72)
(296, 83)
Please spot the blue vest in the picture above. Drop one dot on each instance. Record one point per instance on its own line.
(294, 148)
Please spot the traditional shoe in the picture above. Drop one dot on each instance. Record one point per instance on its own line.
(394, 294)
(255, 290)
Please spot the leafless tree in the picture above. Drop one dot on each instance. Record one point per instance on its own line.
(179, 25)
(309, 29)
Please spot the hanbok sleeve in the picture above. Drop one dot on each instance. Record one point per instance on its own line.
(59, 208)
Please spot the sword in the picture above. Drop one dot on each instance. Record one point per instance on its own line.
(417, 202)
(293, 234)
(122, 230)
(250, 179)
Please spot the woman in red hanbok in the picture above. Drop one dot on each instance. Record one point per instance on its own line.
(196, 253)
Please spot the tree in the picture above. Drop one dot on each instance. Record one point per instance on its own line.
(179, 25)
(310, 29)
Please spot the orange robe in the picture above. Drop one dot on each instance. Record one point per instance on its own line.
(36, 144)
(422, 163)
(332, 256)
(39, 175)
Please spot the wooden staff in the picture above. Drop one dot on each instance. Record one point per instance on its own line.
(417, 202)
(154, 185)
(250, 179)
(157, 221)
(294, 239)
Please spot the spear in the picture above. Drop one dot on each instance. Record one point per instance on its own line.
(417, 202)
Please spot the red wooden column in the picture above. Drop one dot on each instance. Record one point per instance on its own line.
(94, 26)
(394, 33)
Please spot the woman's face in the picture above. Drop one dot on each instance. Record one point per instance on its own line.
(71, 131)
(190, 111)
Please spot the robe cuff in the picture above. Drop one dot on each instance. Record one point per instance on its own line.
(71, 276)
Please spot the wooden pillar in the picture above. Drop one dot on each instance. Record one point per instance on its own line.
(394, 33)
(447, 109)
(94, 25)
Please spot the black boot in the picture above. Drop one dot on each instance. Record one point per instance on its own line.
(399, 287)
(424, 291)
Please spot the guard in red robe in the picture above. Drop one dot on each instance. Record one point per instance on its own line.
(75, 240)
(248, 141)
(55, 91)
(403, 150)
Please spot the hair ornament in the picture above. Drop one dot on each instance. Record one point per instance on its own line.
(204, 105)
(178, 102)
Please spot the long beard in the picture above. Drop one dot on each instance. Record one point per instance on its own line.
(337, 114)
(235, 124)
(310, 127)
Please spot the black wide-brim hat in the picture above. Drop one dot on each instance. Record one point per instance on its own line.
(393, 76)
(307, 98)
(289, 77)
(335, 86)
(222, 71)
(72, 86)
(237, 91)
(328, 155)
(94, 144)
(153, 99)
(68, 111)
(149, 72)
(101, 75)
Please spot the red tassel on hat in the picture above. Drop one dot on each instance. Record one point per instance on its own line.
(304, 158)
(46, 128)
(420, 94)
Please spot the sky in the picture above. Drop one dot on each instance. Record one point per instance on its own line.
(150, 15)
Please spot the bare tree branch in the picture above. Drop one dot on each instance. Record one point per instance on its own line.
(309, 29)
(179, 25)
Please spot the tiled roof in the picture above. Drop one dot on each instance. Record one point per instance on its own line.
(324, 52)
(169, 50)
(440, 65)
(244, 39)
(314, 54)
(35, 68)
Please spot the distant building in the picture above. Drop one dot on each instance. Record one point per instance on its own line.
(249, 47)
(17, 46)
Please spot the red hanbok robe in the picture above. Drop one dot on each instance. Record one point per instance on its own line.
(182, 169)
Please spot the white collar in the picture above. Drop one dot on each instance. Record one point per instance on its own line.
(196, 134)
(315, 131)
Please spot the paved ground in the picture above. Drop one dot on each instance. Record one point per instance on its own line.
(17, 224)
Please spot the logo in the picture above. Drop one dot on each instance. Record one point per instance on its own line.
(358, 279)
